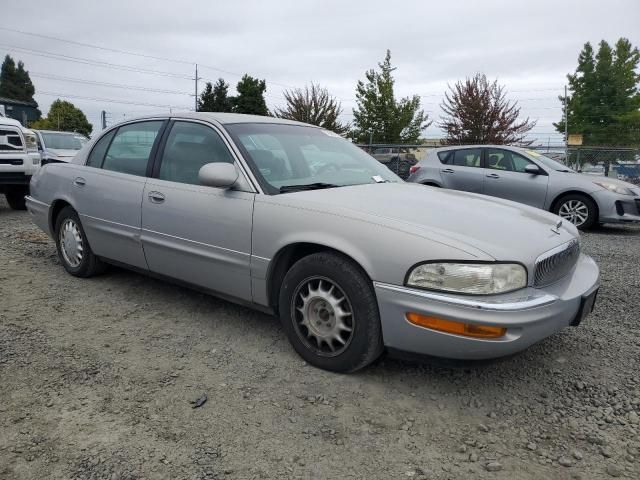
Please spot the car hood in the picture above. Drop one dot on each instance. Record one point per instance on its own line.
(502, 229)
(62, 153)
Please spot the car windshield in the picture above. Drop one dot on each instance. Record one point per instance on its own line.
(549, 162)
(63, 141)
(290, 157)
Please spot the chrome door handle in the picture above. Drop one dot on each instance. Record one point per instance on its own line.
(156, 197)
(493, 175)
(79, 181)
(448, 170)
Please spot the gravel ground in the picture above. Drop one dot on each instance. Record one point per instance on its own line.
(97, 376)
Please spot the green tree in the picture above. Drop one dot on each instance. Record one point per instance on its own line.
(15, 82)
(379, 116)
(250, 97)
(313, 105)
(604, 100)
(477, 111)
(66, 117)
(215, 98)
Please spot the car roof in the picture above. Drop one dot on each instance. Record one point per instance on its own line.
(460, 147)
(60, 132)
(224, 118)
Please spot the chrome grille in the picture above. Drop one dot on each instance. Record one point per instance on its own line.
(554, 265)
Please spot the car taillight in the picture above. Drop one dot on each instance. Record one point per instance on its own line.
(414, 169)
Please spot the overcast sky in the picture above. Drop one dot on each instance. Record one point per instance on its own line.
(527, 46)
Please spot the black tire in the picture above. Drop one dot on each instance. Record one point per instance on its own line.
(433, 185)
(364, 342)
(90, 264)
(592, 209)
(16, 200)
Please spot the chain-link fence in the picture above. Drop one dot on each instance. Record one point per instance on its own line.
(622, 163)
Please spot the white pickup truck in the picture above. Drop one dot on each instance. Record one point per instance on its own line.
(19, 159)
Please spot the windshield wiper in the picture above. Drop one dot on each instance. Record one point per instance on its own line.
(307, 186)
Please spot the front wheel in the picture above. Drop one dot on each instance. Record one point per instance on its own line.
(578, 209)
(329, 311)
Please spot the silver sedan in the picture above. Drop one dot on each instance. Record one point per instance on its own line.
(294, 220)
(528, 177)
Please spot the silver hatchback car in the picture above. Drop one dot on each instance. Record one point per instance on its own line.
(528, 177)
(292, 219)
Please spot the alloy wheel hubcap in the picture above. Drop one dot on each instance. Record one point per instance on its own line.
(71, 243)
(575, 211)
(323, 317)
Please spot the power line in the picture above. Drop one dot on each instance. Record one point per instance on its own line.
(110, 100)
(98, 63)
(99, 47)
(106, 84)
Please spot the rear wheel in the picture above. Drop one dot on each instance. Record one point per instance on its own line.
(578, 209)
(16, 199)
(73, 248)
(329, 311)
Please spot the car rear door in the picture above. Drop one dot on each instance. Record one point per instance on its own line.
(461, 169)
(194, 233)
(505, 177)
(108, 190)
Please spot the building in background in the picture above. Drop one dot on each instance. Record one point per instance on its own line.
(24, 112)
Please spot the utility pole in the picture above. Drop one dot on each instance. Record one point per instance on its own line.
(196, 95)
(103, 118)
(566, 124)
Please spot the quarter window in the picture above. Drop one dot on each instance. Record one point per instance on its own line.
(446, 157)
(506, 160)
(99, 149)
(189, 147)
(131, 147)
(469, 157)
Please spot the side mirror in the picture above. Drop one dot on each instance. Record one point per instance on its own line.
(221, 175)
(532, 169)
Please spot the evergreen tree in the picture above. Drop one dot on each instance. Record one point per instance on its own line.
(379, 116)
(66, 117)
(477, 111)
(250, 97)
(604, 100)
(205, 102)
(215, 98)
(15, 82)
(315, 106)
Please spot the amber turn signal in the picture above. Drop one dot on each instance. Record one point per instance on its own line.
(457, 328)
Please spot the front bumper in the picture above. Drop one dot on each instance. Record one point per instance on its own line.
(529, 315)
(616, 208)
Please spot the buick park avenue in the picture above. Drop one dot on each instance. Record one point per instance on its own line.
(294, 220)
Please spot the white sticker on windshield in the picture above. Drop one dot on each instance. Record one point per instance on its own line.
(378, 179)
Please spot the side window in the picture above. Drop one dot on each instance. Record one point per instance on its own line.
(99, 149)
(190, 146)
(446, 157)
(506, 160)
(469, 157)
(131, 147)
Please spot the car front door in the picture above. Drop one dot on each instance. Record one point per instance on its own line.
(194, 233)
(461, 169)
(505, 177)
(108, 191)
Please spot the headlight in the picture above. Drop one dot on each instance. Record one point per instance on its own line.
(469, 278)
(614, 187)
(31, 142)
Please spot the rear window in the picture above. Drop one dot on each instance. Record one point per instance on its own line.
(445, 157)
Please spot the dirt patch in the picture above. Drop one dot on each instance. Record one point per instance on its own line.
(97, 376)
